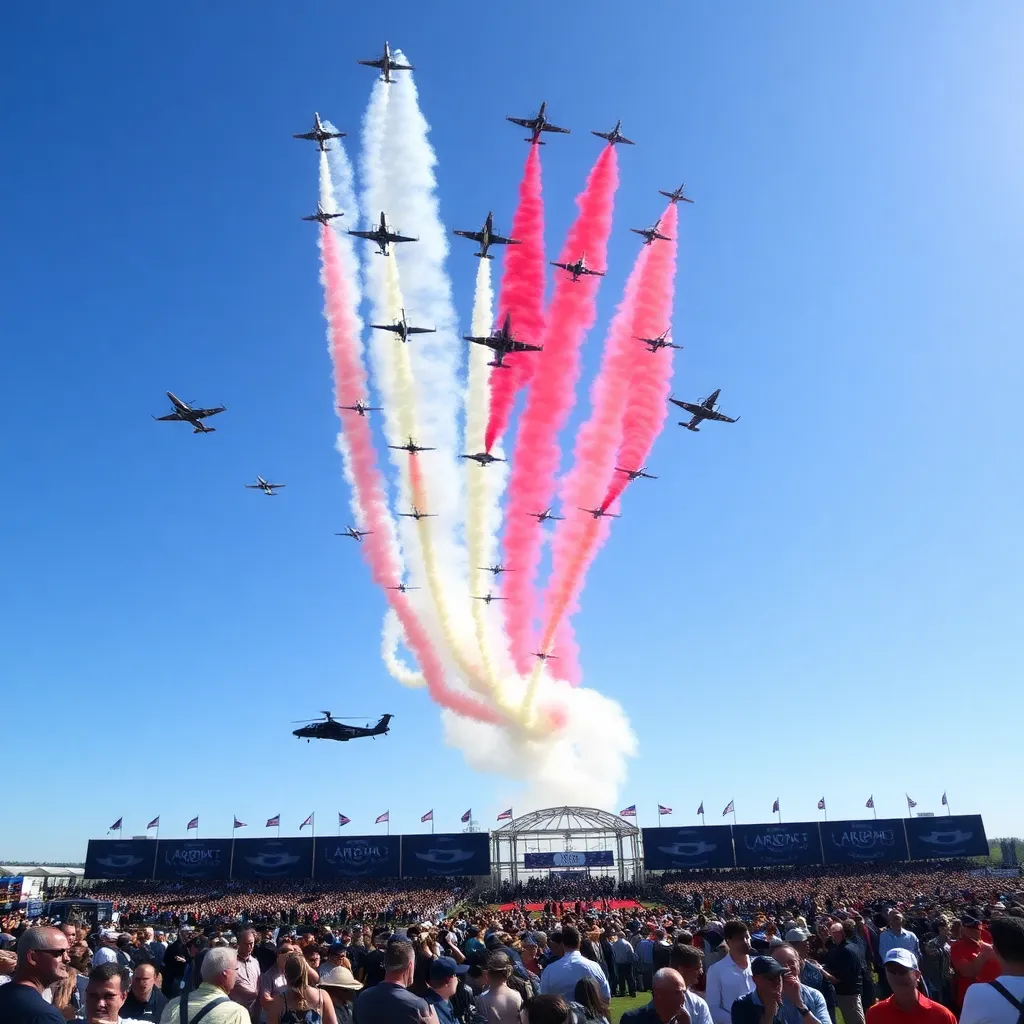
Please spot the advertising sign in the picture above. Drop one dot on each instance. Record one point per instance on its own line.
(357, 857)
(120, 858)
(851, 842)
(763, 845)
(570, 859)
(208, 859)
(273, 858)
(696, 846)
(957, 835)
(455, 853)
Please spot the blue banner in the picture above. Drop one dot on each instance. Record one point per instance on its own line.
(760, 846)
(570, 859)
(273, 858)
(358, 857)
(960, 835)
(696, 846)
(193, 858)
(849, 842)
(454, 853)
(120, 858)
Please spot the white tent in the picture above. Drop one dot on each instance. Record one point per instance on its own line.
(41, 871)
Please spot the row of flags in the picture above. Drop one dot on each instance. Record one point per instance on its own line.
(730, 807)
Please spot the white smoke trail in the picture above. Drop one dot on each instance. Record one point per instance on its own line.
(391, 637)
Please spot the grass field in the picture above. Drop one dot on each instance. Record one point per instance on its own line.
(620, 1004)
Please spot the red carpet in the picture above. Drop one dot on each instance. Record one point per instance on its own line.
(570, 906)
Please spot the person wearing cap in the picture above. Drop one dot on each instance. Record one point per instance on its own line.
(764, 1004)
(973, 959)
(730, 978)
(442, 984)
(106, 951)
(811, 973)
(498, 1003)
(906, 1004)
(340, 984)
(1002, 1000)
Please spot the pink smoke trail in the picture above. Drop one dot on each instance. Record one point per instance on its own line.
(549, 401)
(521, 295)
(647, 405)
(350, 386)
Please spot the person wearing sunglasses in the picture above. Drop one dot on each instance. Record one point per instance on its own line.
(42, 960)
(907, 1003)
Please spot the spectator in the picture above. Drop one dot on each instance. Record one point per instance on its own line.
(801, 1004)
(301, 1002)
(247, 974)
(472, 944)
(897, 937)
(390, 1002)
(341, 986)
(668, 1001)
(560, 977)
(936, 966)
(442, 984)
(42, 961)
(374, 962)
(689, 962)
(67, 995)
(498, 1003)
(623, 959)
(176, 959)
(273, 981)
(811, 973)
(106, 993)
(530, 952)
(158, 948)
(764, 1004)
(144, 1001)
(645, 962)
(843, 962)
(217, 974)
(107, 950)
(549, 1009)
(973, 959)
(661, 950)
(906, 1004)
(1002, 1000)
(731, 979)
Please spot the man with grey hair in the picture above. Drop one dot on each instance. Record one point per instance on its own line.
(42, 961)
(219, 972)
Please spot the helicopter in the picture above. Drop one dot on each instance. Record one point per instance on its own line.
(331, 728)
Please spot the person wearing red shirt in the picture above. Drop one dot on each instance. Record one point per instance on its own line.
(972, 958)
(906, 1005)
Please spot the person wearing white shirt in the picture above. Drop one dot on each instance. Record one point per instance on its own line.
(688, 961)
(560, 977)
(987, 1004)
(730, 979)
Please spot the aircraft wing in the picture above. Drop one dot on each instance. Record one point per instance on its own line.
(312, 136)
(720, 416)
(373, 63)
(521, 346)
(364, 234)
(477, 236)
(694, 410)
(421, 330)
(555, 128)
(525, 122)
(203, 413)
(388, 327)
(400, 238)
(170, 416)
(500, 240)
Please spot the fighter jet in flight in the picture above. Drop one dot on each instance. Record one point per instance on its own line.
(402, 329)
(701, 411)
(599, 513)
(387, 64)
(651, 234)
(320, 135)
(486, 237)
(545, 657)
(614, 136)
(187, 412)
(412, 447)
(543, 517)
(382, 237)
(496, 569)
(264, 486)
(403, 588)
(661, 341)
(418, 515)
(484, 458)
(537, 124)
(676, 195)
(579, 268)
(361, 408)
(356, 535)
(635, 474)
(323, 216)
(488, 598)
(502, 342)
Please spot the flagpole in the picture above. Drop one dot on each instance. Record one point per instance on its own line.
(779, 812)
(431, 822)
(946, 800)
(279, 826)
(734, 812)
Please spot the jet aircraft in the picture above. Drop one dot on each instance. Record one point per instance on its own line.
(332, 729)
(488, 598)
(486, 237)
(356, 535)
(418, 515)
(403, 588)
(634, 474)
(484, 458)
(701, 411)
(538, 124)
(614, 136)
(502, 342)
(676, 194)
(262, 485)
(361, 408)
(412, 447)
(661, 341)
(189, 414)
(382, 237)
(320, 135)
(543, 517)
(496, 569)
(651, 234)
(323, 216)
(579, 268)
(387, 64)
(402, 329)
(545, 657)
(599, 513)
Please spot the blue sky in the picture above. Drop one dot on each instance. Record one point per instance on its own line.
(823, 599)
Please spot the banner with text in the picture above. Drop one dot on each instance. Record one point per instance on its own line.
(454, 853)
(358, 857)
(570, 859)
(696, 846)
(193, 858)
(120, 858)
(273, 858)
(760, 846)
(958, 835)
(850, 842)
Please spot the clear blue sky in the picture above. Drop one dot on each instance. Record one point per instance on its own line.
(824, 599)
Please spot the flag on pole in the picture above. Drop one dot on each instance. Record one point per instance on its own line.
(155, 823)
(308, 821)
(116, 827)
(239, 824)
(429, 816)
(505, 815)
(945, 802)
(381, 818)
(910, 803)
(821, 804)
(342, 820)
(700, 810)
(467, 816)
(628, 812)
(775, 806)
(729, 808)
(194, 823)
(871, 802)
(274, 822)
(662, 809)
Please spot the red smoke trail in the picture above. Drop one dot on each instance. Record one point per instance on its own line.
(522, 295)
(647, 405)
(349, 386)
(550, 398)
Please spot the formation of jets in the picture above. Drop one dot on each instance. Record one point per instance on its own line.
(356, 535)
(265, 486)
(361, 408)
(188, 413)
(502, 342)
(704, 410)
(483, 458)
(402, 329)
(382, 236)
(319, 134)
(537, 125)
(614, 136)
(323, 216)
(486, 237)
(579, 268)
(411, 447)
(661, 341)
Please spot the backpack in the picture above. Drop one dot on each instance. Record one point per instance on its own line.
(1010, 998)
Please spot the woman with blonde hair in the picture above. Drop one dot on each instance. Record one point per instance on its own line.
(300, 1002)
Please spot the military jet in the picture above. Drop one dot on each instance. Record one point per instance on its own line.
(676, 194)
(356, 535)
(484, 458)
(331, 728)
(635, 474)
(599, 513)
(701, 411)
(323, 216)
(418, 515)
(361, 408)
(614, 136)
(502, 342)
(545, 657)
(538, 124)
(488, 598)
(661, 341)
(387, 64)
(320, 135)
(262, 485)
(486, 238)
(412, 447)
(579, 268)
(651, 234)
(543, 517)
(403, 588)
(496, 569)
(382, 237)
(402, 329)
(189, 414)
